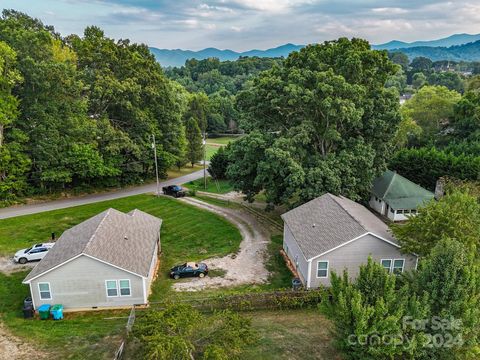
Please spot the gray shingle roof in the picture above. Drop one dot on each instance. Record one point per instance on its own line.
(329, 221)
(123, 240)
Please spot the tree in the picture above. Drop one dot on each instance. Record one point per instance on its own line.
(431, 108)
(194, 141)
(421, 63)
(321, 122)
(399, 58)
(450, 80)
(198, 109)
(454, 216)
(450, 275)
(466, 119)
(181, 332)
(219, 164)
(424, 166)
(418, 80)
(368, 315)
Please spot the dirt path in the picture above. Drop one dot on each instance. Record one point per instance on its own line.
(245, 267)
(7, 266)
(12, 348)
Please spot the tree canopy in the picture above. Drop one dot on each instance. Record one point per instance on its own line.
(321, 122)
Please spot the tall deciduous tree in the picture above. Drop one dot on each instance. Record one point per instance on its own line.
(194, 141)
(324, 122)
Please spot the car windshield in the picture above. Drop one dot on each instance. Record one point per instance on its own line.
(27, 250)
(177, 188)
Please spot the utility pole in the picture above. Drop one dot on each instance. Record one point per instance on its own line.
(154, 147)
(204, 160)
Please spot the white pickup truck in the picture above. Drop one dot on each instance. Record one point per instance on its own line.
(36, 252)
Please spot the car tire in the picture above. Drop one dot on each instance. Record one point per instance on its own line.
(22, 260)
(176, 276)
(201, 275)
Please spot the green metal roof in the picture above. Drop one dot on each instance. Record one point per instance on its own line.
(399, 192)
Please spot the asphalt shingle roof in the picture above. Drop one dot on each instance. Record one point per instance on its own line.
(329, 221)
(123, 240)
(399, 192)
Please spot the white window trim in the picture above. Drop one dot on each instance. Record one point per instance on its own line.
(120, 288)
(328, 268)
(49, 290)
(391, 264)
(117, 287)
(403, 264)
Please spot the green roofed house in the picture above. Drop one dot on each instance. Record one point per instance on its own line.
(397, 197)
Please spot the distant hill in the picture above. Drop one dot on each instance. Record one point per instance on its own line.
(178, 57)
(457, 39)
(456, 47)
(466, 52)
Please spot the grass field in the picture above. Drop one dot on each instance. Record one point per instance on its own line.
(188, 233)
(218, 187)
(224, 140)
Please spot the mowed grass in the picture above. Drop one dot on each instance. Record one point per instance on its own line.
(188, 234)
(224, 140)
(292, 335)
(217, 187)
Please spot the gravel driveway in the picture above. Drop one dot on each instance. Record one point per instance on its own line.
(245, 267)
(8, 266)
(12, 348)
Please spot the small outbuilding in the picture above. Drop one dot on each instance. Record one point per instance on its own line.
(396, 197)
(333, 233)
(106, 261)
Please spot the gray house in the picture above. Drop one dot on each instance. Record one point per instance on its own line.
(332, 233)
(106, 261)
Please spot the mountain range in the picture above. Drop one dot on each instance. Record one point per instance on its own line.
(456, 47)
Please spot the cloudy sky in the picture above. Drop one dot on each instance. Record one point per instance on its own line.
(247, 24)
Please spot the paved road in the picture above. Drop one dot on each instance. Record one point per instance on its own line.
(93, 198)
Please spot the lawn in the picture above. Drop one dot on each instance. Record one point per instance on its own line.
(291, 334)
(211, 150)
(218, 187)
(188, 233)
(224, 140)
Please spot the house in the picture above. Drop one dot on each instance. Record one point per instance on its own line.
(396, 197)
(332, 233)
(106, 261)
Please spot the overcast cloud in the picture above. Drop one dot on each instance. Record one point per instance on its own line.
(260, 24)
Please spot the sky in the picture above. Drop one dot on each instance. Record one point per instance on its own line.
(256, 24)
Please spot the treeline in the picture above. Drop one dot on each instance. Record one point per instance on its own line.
(81, 111)
(217, 83)
(421, 71)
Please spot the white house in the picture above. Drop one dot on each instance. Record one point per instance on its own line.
(396, 197)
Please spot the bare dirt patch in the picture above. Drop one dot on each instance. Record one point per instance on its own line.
(8, 266)
(12, 348)
(247, 266)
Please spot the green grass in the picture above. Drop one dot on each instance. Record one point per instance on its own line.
(224, 186)
(291, 334)
(211, 150)
(224, 140)
(188, 233)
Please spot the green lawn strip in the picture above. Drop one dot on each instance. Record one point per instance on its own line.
(224, 140)
(210, 150)
(216, 187)
(291, 334)
(188, 234)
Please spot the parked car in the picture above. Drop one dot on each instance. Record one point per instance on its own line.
(189, 269)
(34, 253)
(173, 190)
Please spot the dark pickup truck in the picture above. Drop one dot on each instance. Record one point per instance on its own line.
(174, 190)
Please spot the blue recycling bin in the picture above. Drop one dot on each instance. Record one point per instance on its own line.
(57, 312)
(44, 311)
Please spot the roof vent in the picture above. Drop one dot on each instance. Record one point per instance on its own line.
(313, 225)
(125, 237)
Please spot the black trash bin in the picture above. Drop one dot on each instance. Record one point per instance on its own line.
(296, 284)
(27, 312)
(27, 302)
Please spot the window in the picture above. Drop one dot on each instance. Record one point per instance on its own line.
(124, 287)
(392, 211)
(112, 289)
(44, 290)
(413, 211)
(398, 265)
(387, 264)
(399, 211)
(322, 269)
